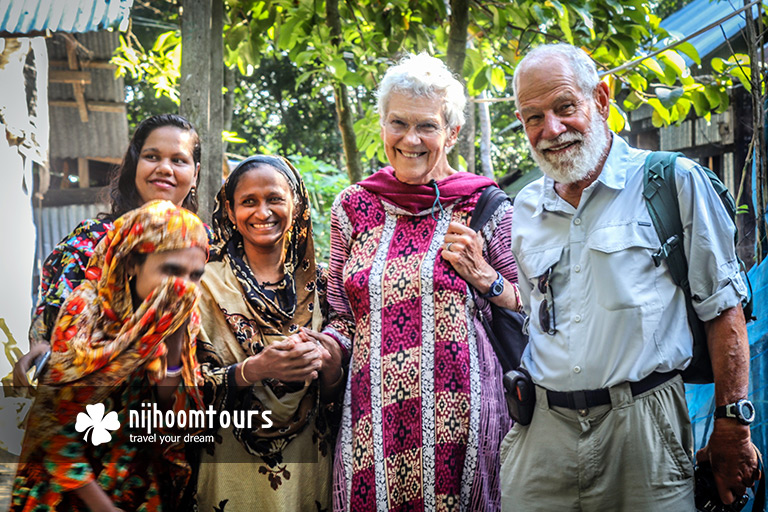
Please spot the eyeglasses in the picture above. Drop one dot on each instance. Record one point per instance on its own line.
(426, 129)
(547, 306)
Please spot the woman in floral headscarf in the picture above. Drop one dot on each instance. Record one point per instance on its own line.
(162, 162)
(260, 291)
(125, 336)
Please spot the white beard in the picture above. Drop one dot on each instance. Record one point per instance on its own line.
(577, 164)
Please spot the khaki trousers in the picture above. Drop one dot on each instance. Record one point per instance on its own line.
(633, 455)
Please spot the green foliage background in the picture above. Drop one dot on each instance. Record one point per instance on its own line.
(288, 64)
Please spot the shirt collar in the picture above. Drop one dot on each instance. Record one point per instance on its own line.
(614, 174)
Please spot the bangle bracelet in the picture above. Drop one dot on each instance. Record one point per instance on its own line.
(242, 371)
(173, 371)
(341, 378)
(518, 298)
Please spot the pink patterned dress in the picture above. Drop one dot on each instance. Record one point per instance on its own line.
(423, 412)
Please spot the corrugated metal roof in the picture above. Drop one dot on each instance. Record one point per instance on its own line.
(25, 16)
(95, 46)
(700, 13)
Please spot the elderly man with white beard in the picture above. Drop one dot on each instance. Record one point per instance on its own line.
(608, 328)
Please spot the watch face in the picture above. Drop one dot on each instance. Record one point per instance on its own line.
(746, 411)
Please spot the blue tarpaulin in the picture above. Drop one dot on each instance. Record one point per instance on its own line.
(701, 398)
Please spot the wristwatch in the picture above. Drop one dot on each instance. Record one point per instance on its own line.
(497, 288)
(743, 411)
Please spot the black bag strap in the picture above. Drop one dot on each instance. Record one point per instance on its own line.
(660, 193)
(489, 201)
(487, 204)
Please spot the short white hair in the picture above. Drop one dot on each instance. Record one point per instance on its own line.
(425, 76)
(581, 64)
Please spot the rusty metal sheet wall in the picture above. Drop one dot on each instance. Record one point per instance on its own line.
(105, 135)
(674, 137)
(719, 130)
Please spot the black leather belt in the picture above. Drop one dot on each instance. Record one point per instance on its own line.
(593, 397)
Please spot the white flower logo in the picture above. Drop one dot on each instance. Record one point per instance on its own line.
(96, 423)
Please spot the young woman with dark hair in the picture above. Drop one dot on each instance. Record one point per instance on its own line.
(162, 162)
(125, 191)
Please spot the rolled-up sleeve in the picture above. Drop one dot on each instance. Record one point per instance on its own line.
(713, 269)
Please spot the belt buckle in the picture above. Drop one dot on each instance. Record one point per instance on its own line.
(577, 400)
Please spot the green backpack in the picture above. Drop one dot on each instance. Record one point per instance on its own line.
(660, 193)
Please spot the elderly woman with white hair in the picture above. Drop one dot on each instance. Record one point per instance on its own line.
(423, 412)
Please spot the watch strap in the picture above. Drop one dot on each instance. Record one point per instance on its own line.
(497, 287)
(733, 410)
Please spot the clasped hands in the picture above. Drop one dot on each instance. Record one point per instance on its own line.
(303, 356)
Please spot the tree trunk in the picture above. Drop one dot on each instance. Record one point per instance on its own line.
(455, 54)
(215, 160)
(484, 114)
(466, 144)
(343, 106)
(200, 91)
(229, 103)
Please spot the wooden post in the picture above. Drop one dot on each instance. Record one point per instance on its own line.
(78, 89)
(742, 135)
(200, 90)
(83, 175)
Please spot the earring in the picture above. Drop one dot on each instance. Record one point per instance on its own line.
(193, 192)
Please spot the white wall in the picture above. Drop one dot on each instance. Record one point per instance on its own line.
(18, 148)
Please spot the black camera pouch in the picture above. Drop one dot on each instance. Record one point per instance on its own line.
(520, 394)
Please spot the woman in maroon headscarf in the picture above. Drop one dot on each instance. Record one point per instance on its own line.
(423, 412)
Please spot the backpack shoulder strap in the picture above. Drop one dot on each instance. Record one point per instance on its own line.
(489, 201)
(660, 193)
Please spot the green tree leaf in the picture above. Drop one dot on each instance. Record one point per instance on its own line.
(668, 97)
(616, 119)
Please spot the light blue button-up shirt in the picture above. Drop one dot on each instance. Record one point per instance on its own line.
(618, 316)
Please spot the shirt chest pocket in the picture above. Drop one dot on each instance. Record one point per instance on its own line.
(534, 265)
(622, 270)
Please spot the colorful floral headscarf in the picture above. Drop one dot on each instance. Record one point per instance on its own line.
(99, 339)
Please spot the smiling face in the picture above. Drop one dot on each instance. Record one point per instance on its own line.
(187, 264)
(166, 168)
(416, 138)
(262, 209)
(566, 129)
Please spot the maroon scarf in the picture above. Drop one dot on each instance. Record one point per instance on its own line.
(417, 198)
